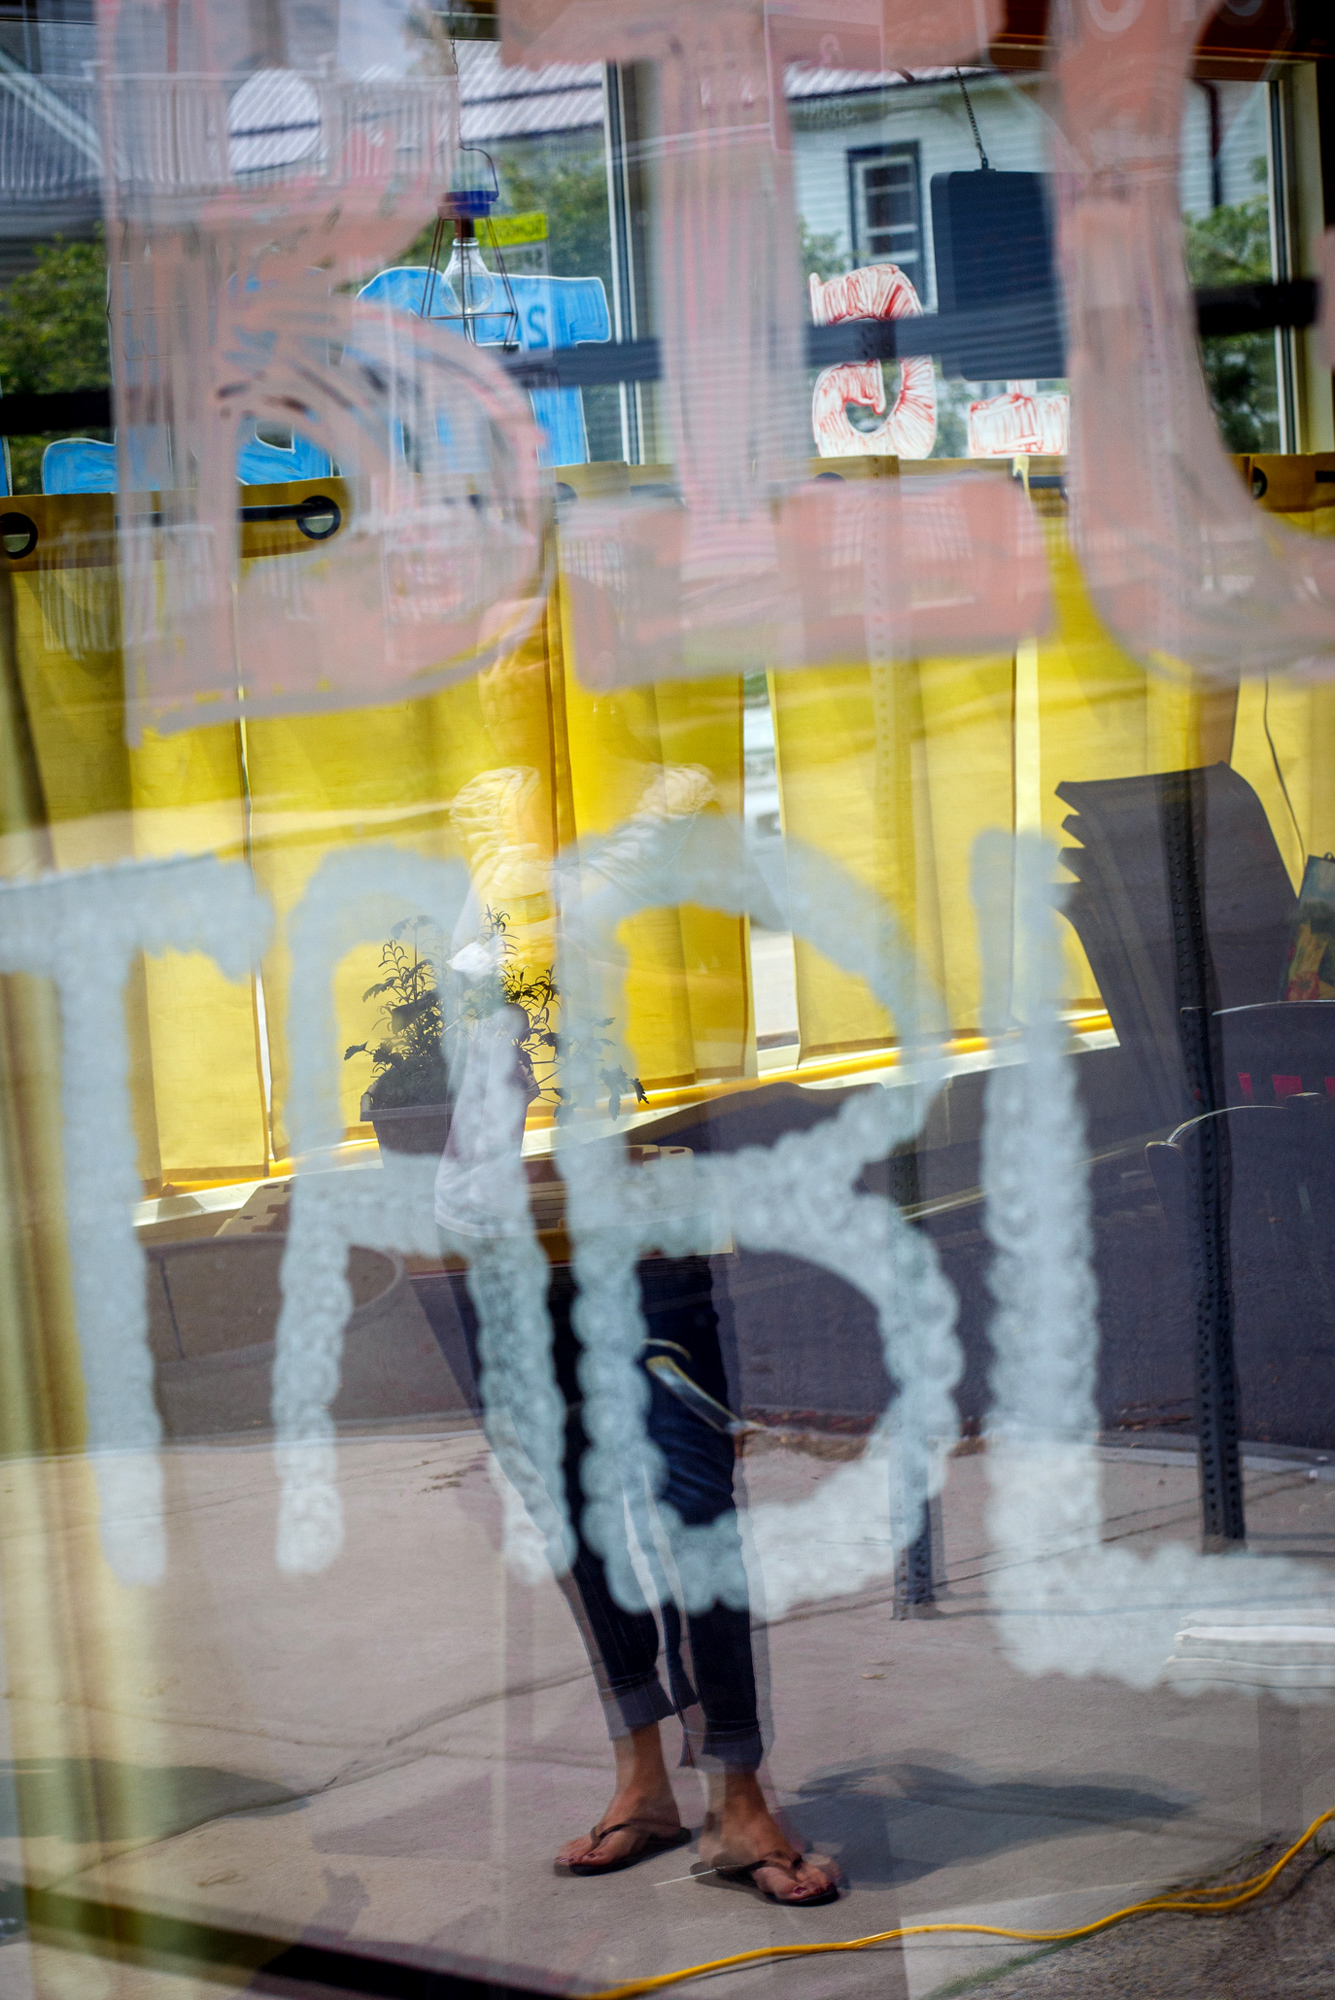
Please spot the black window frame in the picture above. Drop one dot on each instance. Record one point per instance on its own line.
(887, 149)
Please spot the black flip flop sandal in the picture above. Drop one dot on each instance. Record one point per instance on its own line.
(651, 1842)
(792, 1862)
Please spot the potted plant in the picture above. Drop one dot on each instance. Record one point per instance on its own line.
(408, 1100)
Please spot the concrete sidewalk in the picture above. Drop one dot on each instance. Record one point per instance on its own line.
(390, 1753)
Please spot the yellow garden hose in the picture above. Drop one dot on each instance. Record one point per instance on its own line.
(1207, 1902)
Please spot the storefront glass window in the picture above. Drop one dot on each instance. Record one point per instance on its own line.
(667, 1166)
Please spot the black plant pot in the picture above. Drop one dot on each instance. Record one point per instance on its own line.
(410, 1128)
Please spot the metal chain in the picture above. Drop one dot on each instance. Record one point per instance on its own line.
(973, 122)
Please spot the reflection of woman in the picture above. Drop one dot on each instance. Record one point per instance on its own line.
(711, 1673)
(711, 1683)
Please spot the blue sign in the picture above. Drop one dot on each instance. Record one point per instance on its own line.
(83, 465)
(553, 312)
(79, 465)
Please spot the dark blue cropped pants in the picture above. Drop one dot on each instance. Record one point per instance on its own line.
(711, 1682)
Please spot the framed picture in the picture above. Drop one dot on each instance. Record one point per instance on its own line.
(1309, 969)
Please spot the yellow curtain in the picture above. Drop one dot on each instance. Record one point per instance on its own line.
(468, 771)
(1086, 709)
(895, 771)
(1284, 744)
(195, 1080)
(504, 770)
(672, 748)
(892, 770)
(41, 1388)
(675, 747)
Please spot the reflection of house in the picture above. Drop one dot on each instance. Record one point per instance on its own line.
(49, 150)
(865, 149)
(496, 103)
(50, 154)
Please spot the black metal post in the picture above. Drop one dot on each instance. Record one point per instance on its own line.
(916, 1567)
(1209, 1189)
(916, 1572)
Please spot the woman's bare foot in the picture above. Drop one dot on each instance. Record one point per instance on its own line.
(739, 1828)
(643, 1794)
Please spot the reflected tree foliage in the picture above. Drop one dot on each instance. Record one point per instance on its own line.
(1231, 246)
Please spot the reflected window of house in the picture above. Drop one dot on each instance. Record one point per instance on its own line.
(886, 206)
